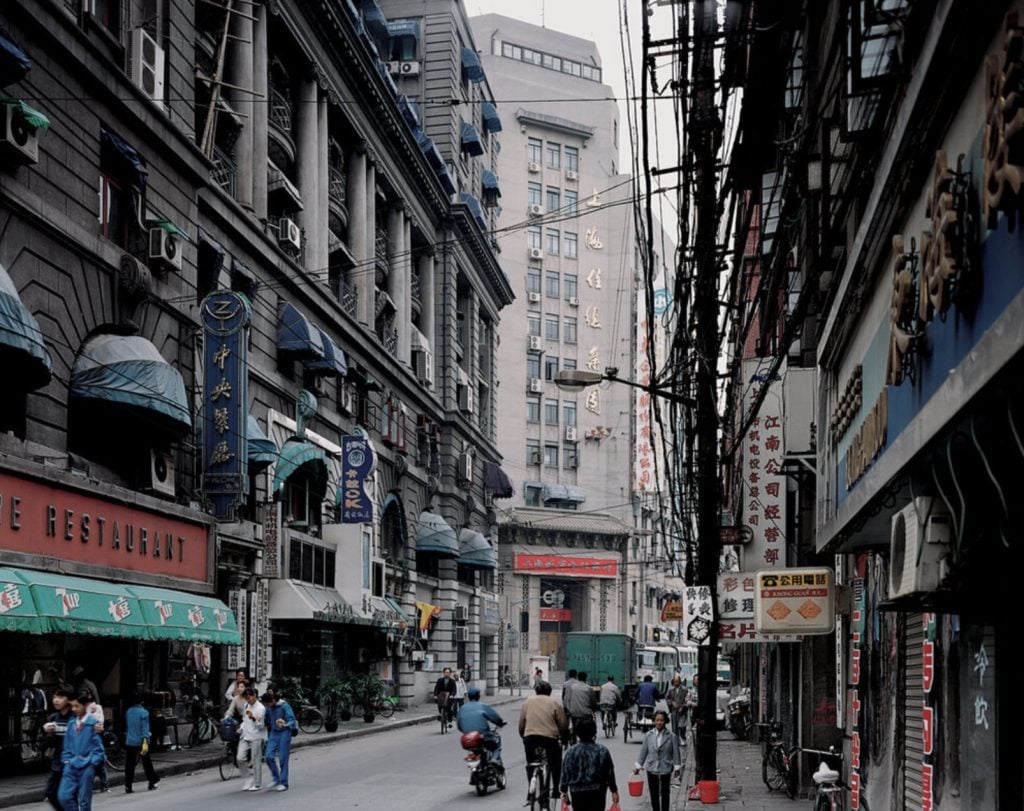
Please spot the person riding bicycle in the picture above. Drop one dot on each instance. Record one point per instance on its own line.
(677, 697)
(580, 701)
(476, 716)
(542, 725)
(610, 698)
(647, 696)
(444, 693)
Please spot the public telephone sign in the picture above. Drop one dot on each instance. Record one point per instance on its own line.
(794, 601)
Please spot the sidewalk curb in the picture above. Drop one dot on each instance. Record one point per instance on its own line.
(208, 761)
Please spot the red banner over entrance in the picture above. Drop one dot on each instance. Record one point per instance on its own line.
(53, 522)
(555, 615)
(565, 566)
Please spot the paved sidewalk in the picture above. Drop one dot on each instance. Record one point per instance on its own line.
(28, 788)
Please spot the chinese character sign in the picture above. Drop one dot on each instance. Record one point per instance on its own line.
(794, 601)
(226, 317)
(736, 595)
(698, 614)
(764, 484)
(565, 566)
(357, 463)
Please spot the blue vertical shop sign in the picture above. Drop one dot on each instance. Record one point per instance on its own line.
(226, 318)
(357, 460)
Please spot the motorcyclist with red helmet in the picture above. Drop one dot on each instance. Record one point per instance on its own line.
(476, 716)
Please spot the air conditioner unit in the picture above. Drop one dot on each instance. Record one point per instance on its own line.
(571, 175)
(534, 457)
(461, 613)
(465, 467)
(345, 399)
(918, 548)
(423, 363)
(535, 210)
(573, 301)
(535, 343)
(465, 396)
(165, 248)
(534, 298)
(147, 65)
(462, 634)
(535, 385)
(161, 473)
(534, 167)
(18, 139)
(404, 68)
(570, 433)
(536, 253)
(289, 235)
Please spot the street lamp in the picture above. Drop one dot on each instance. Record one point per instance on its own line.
(576, 380)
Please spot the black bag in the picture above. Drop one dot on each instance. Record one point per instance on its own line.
(295, 730)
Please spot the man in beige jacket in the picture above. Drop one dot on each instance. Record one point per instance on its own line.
(542, 725)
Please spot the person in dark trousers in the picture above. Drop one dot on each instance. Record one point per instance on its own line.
(587, 772)
(281, 724)
(136, 744)
(659, 757)
(444, 691)
(647, 696)
(542, 725)
(82, 753)
(53, 730)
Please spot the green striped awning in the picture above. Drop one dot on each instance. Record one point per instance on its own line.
(179, 615)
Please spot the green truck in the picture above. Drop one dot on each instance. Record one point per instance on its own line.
(601, 654)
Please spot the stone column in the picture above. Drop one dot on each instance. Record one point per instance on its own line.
(365, 269)
(405, 314)
(325, 188)
(355, 193)
(426, 263)
(260, 111)
(443, 638)
(307, 146)
(398, 278)
(240, 72)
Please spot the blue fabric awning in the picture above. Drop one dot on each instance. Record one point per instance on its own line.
(128, 371)
(374, 20)
(296, 454)
(404, 28)
(446, 180)
(333, 361)
(429, 148)
(489, 114)
(475, 209)
(131, 165)
(296, 336)
(471, 142)
(471, 66)
(435, 535)
(563, 492)
(408, 110)
(23, 354)
(475, 552)
(490, 183)
(261, 449)
(497, 482)
(14, 62)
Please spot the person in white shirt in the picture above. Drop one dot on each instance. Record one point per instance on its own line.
(251, 737)
(95, 711)
(659, 757)
(460, 691)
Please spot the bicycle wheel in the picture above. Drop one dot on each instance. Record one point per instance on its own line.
(228, 764)
(386, 709)
(533, 793)
(773, 769)
(113, 751)
(791, 786)
(823, 802)
(310, 720)
(444, 720)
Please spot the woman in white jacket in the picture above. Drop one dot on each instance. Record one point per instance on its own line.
(659, 757)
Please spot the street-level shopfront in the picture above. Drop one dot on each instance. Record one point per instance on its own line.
(95, 577)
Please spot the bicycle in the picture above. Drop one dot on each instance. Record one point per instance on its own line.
(228, 765)
(309, 718)
(538, 793)
(776, 762)
(384, 706)
(828, 784)
(609, 720)
(204, 721)
(444, 711)
(113, 749)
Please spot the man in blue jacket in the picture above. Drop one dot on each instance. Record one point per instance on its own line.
(475, 715)
(281, 724)
(136, 744)
(54, 729)
(82, 753)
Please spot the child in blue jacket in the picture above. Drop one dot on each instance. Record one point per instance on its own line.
(82, 753)
(136, 744)
(281, 723)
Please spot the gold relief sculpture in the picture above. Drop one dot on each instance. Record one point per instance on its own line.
(1002, 149)
(938, 260)
(901, 311)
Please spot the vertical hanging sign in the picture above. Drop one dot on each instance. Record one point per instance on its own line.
(357, 463)
(225, 482)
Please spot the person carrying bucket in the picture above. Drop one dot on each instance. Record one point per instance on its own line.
(659, 757)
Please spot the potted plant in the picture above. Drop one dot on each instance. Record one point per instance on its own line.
(335, 695)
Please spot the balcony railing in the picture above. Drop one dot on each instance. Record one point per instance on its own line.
(280, 111)
(414, 291)
(336, 185)
(349, 297)
(382, 252)
(224, 171)
(390, 340)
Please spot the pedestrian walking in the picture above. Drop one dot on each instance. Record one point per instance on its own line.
(659, 757)
(252, 734)
(460, 691)
(588, 772)
(95, 711)
(281, 725)
(54, 730)
(677, 697)
(81, 754)
(136, 744)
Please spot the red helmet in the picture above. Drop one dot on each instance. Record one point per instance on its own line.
(472, 740)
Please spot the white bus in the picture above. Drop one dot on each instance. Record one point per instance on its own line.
(687, 665)
(660, 662)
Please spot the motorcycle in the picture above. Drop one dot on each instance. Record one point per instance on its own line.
(484, 770)
(739, 714)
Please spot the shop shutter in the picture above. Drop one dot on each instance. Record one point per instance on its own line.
(913, 748)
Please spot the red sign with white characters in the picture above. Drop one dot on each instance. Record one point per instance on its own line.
(555, 615)
(565, 566)
(53, 522)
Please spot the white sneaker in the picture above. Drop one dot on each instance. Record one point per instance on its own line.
(282, 787)
(254, 788)
(273, 784)
(248, 784)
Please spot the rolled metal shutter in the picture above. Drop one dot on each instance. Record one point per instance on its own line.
(913, 703)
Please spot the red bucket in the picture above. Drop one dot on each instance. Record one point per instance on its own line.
(708, 791)
(636, 787)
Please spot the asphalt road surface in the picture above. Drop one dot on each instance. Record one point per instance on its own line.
(410, 768)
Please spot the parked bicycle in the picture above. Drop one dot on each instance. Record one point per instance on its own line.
(384, 706)
(828, 785)
(204, 720)
(309, 717)
(539, 791)
(113, 747)
(777, 770)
